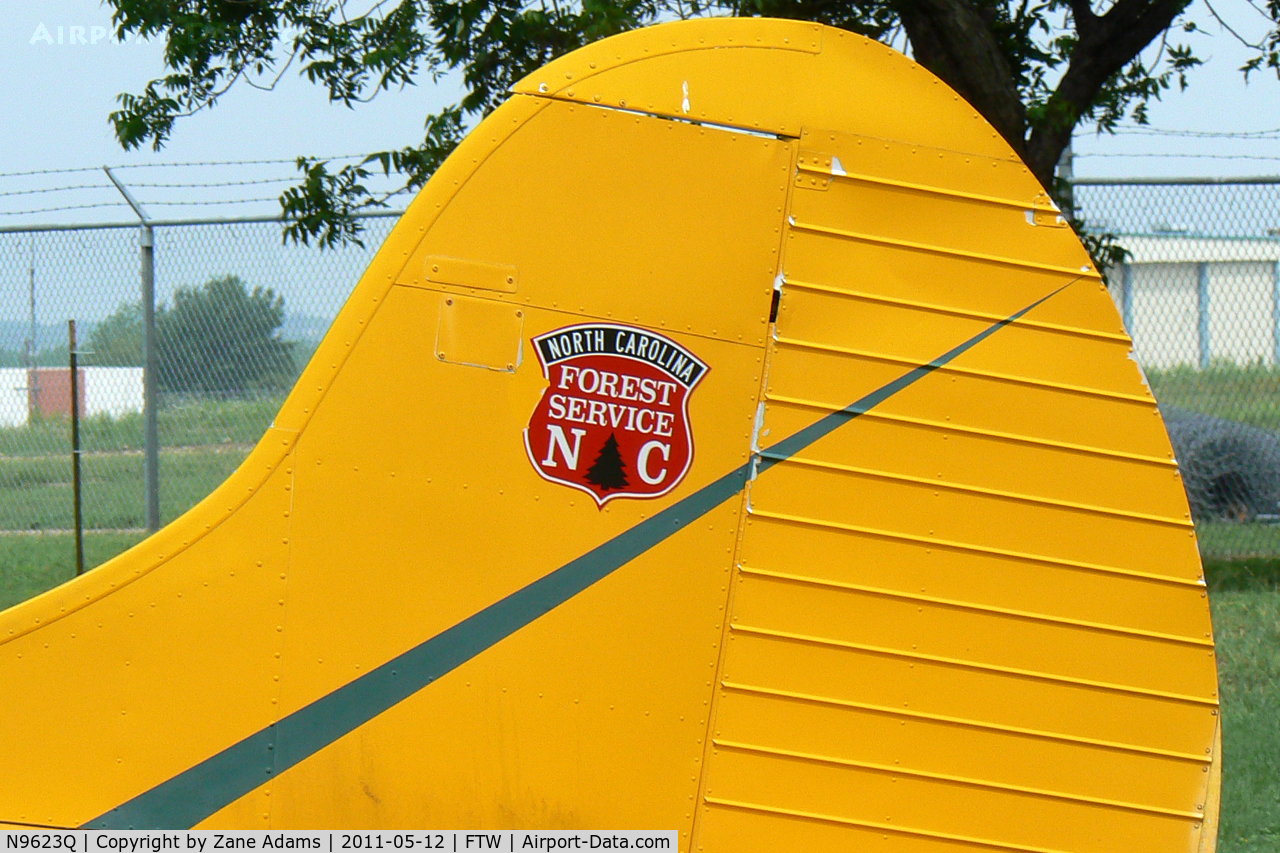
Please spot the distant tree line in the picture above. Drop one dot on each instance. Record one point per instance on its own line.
(218, 339)
(47, 356)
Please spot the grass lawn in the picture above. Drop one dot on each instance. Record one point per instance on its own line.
(1230, 540)
(1248, 394)
(1245, 599)
(202, 443)
(183, 424)
(35, 492)
(34, 562)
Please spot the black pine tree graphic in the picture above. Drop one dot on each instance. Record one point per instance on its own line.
(608, 472)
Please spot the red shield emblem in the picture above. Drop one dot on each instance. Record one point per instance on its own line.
(614, 419)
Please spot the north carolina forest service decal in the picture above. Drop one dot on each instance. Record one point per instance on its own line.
(614, 420)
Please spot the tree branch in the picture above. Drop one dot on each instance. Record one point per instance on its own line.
(1082, 13)
(1244, 41)
(1115, 41)
(953, 40)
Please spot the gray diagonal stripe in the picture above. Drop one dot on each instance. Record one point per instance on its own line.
(205, 788)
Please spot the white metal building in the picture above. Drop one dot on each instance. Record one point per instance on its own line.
(1197, 300)
(113, 391)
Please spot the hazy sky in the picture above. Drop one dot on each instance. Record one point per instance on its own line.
(56, 98)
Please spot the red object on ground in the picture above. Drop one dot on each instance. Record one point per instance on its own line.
(49, 391)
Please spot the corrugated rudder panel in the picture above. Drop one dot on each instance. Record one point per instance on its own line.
(972, 616)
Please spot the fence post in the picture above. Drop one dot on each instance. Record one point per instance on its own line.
(1275, 313)
(151, 437)
(76, 506)
(32, 377)
(1066, 175)
(151, 431)
(1202, 312)
(1126, 298)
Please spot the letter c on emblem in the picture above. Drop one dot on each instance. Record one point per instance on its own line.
(642, 461)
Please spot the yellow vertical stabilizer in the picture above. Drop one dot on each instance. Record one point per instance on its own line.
(730, 438)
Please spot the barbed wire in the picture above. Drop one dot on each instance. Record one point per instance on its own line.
(239, 162)
(202, 185)
(199, 184)
(189, 164)
(154, 185)
(204, 203)
(57, 189)
(119, 203)
(1270, 134)
(166, 202)
(1195, 134)
(50, 172)
(1149, 155)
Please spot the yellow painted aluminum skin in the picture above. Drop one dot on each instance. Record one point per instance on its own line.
(930, 583)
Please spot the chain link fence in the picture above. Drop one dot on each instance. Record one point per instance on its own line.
(1200, 295)
(238, 314)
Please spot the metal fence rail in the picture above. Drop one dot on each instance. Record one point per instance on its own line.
(238, 313)
(1200, 295)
